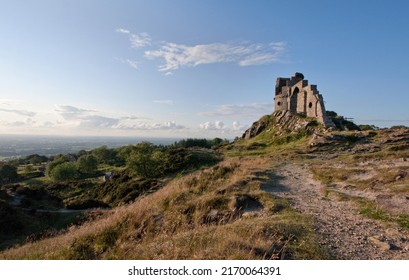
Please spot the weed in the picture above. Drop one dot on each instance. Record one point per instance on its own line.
(403, 221)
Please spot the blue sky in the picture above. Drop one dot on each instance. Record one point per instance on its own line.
(194, 68)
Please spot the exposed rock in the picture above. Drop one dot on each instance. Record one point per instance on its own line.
(219, 217)
(245, 203)
(375, 240)
(393, 233)
(281, 122)
(256, 128)
(397, 178)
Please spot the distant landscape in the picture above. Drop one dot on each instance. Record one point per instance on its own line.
(16, 146)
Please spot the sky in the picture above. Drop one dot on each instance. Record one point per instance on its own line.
(203, 68)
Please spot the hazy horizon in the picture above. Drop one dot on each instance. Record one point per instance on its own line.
(17, 146)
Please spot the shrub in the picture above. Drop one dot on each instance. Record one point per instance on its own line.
(87, 164)
(65, 171)
(8, 173)
(146, 161)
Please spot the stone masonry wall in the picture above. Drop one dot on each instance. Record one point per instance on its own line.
(296, 96)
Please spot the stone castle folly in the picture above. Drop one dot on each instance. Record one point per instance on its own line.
(297, 97)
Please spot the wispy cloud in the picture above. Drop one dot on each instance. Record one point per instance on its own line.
(240, 110)
(132, 63)
(164, 101)
(71, 113)
(87, 119)
(121, 30)
(270, 54)
(137, 40)
(9, 102)
(168, 125)
(19, 112)
(140, 40)
(177, 56)
(28, 123)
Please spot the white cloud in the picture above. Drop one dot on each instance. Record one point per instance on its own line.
(168, 125)
(86, 119)
(133, 118)
(238, 127)
(97, 122)
(217, 125)
(17, 123)
(10, 102)
(121, 30)
(220, 127)
(28, 123)
(137, 40)
(178, 56)
(19, 112)
(140, 40)
(253, 110)
(132, 63)
(165, 101)
(71, 112)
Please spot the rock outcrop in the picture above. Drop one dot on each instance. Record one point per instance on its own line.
(281, 122)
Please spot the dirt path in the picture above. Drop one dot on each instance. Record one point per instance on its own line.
(340, 227)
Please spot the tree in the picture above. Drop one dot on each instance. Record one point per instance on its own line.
(87, 164)
(103, 154)
(36, 159)
(65, 171)
(146, 160)
(8, 173)
(58, 159)
(124, 152)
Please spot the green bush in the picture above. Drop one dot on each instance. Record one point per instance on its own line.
(146, 161)
(65, 171)
(8, 173)
(87, 164)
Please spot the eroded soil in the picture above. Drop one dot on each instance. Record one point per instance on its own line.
(340, 226)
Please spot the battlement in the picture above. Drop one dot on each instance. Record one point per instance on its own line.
(296, 96)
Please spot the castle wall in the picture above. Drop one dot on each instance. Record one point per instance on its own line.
(296, 96)
(293, 99)
(301, 102)
(281, 100)
(311, 104)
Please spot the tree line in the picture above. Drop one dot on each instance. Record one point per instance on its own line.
(142, 160)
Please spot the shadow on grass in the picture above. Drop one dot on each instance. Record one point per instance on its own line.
(273, 183)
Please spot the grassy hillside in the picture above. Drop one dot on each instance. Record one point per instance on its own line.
(232, 210)
(217, 213)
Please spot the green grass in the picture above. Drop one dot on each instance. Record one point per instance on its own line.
(403, 221)
(36, 181)
(372, 211)
(176, 222)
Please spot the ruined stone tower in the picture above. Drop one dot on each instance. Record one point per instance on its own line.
(296, 96)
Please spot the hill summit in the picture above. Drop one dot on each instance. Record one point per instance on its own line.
(298, 106)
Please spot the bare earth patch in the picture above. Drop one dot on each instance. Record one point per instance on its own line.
(341, 228)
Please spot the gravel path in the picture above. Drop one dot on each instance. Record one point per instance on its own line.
(340, 227)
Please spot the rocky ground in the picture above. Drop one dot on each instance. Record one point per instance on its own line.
(341, 228)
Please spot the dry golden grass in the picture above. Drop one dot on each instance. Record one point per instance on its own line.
(197, 216)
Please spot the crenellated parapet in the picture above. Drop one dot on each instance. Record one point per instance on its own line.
(296, 96)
